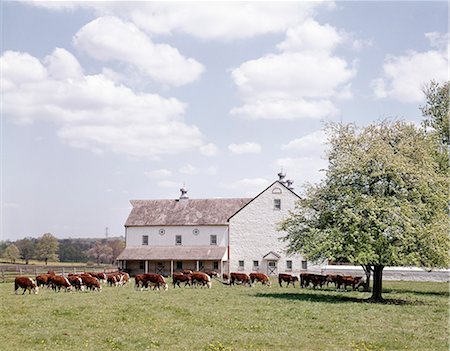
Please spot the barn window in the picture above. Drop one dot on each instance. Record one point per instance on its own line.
(255, 265)
(304, 264)
(177, 239)
(141, 265)
(216, 265)
(277, 204)
(241, 265)
(276, 191)
(201, 265)
(144, 239)
(213, 239)
(179, 266)
(289, 265)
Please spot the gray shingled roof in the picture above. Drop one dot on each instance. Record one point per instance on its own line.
(183, 212)
(173, 253)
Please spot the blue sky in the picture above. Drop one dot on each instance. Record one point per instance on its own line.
(103, 102)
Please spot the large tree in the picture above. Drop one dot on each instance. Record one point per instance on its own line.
(11, 253)
(47, 248)
(383, 202)
(102, 253)
(26, 247)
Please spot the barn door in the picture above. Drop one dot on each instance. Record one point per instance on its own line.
(160, 268)
(272, 268)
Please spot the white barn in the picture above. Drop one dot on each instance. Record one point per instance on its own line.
(226, 235)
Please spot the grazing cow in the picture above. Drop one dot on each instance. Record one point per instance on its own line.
(91, 283)
(124, 278)
(112, 280)
(59, 282)
(287, 278)
(225, 276)
(25, 283)
(76, 282)
(344, 281)
(212, 273)
(317, 280)
(260, 277)
(154, 280)
(240, 278)
(202, 279)
(43, 279)
(138, 281)
(178, 278)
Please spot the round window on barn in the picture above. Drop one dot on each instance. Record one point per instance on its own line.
(162, 231)
(276, 191)
(196, 231)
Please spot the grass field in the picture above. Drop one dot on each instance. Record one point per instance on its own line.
(224, 318)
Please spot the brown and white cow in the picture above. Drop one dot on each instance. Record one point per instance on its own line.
(201, 279)
(282, 277)
(240, 278)
(344, 281)
(58, 282)
(178, 278)
(43, 279)
(156, 281)
(91, 283)
(111, 279)
(260, 277)
(76, 282)
(25, 283)
(212, 273)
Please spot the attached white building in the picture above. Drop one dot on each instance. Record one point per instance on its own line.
(226, 235)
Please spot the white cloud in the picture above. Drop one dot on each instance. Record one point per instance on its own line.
(311, 36)
(308, 145)
(209, 150)
(223, 20)
(300, 81)
(245, 148)
(405, 76)
(158, 173)
(91, 111)
(111, 39)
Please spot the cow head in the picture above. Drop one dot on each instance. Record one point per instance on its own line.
(35, 289)
(166, 287)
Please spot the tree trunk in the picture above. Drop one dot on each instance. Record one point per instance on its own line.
(377, 283)
(368, 270)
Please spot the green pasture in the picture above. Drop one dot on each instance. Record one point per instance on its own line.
(415, 317)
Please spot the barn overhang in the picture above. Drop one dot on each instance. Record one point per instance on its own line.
(175, 253)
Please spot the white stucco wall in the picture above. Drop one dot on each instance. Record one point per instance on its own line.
(134, 235)
(253, 232)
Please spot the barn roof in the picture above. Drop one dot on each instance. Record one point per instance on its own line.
(173, 253)
(183, 212)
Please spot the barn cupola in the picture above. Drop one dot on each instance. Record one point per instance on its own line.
(289, 183)
(281, 177)
(183, 195)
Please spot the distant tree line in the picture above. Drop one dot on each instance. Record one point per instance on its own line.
(48, 248)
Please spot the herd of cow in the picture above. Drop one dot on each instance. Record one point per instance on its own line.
(78, 282)
(92, 280)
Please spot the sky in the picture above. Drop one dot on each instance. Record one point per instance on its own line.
(105, 102)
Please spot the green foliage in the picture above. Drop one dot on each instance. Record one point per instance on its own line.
(47, 248)
(437, 116)
(383, 200)
(11, 253)
(26, 247)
